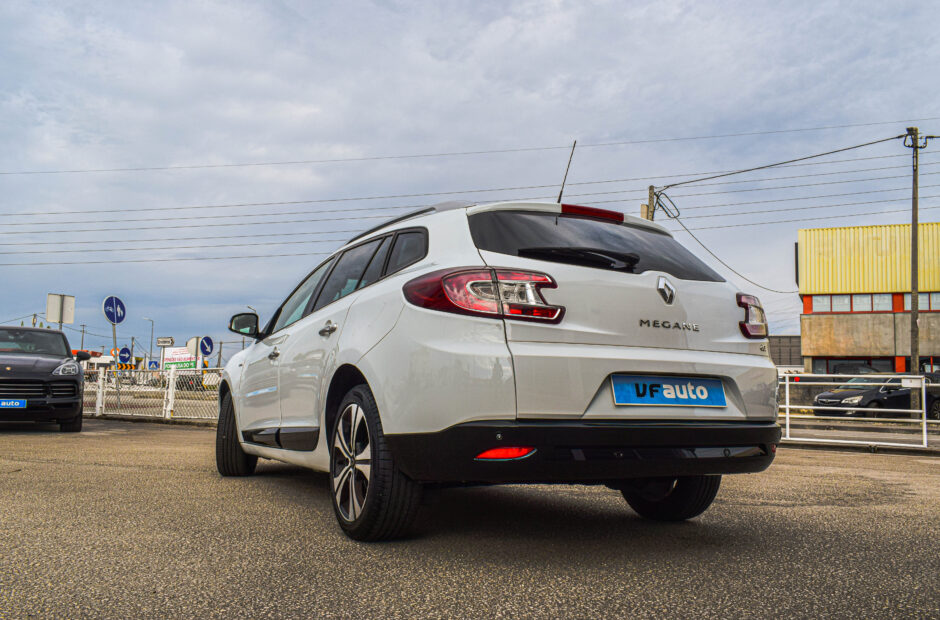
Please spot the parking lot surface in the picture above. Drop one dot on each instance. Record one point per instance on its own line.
(132, 520)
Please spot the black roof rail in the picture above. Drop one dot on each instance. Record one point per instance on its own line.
(443, 206)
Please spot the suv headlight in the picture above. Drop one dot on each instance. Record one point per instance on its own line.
(853, 400)
(69, 367)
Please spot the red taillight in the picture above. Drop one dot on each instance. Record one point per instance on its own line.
(506, 293)
(505, 454)
(754, 324)
(592, 212)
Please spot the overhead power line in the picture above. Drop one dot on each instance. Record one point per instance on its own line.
(781, 163)
(165, 239)
(460, 153)
(400, 207)
(768, 201)
(164, 260)
(729, 267)
(808, 219)
(261, 223)
(788, 209)
(173, 247)
(19, 318)
(269, 203)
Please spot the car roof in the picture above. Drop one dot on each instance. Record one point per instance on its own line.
(473, 207)
(22, 328)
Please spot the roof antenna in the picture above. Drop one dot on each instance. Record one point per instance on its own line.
(570, 157)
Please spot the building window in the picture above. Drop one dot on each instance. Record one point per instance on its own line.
(841, 303)
(923, 301)
(860, 303)
(881, 302)
(821, 303)
(935, 301)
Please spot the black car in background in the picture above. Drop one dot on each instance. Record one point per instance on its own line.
(866, 400)
(40, 381)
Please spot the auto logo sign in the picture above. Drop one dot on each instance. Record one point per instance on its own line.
(666, 290)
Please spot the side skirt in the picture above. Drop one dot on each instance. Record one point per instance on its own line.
(300, 439)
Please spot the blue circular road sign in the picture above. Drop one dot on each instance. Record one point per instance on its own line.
(205, 346)
(114, 309)
(124, 355)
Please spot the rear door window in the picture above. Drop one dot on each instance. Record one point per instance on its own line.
(374, 271)
(585, 241)
(410, 247)
(346, 274)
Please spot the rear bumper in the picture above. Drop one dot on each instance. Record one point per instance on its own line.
(587, 452)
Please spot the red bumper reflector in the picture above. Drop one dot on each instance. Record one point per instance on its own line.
(504, 454)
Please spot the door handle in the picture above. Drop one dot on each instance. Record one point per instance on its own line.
(273, 355)
(328, 329)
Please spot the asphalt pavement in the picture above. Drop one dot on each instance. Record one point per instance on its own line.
(131, 520)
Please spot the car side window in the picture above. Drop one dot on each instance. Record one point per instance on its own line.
(293, 309)
(410, 247)
(374, 271)
(347, 273)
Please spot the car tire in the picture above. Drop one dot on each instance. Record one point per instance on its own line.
(373, 500)
(72, 426)
(230, 458)
(934, 413)
(671, 499)
(874, 406)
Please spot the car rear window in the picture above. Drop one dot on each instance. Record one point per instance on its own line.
(586, 241)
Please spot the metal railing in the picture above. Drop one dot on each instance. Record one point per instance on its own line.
(188, 394)
(797, 389)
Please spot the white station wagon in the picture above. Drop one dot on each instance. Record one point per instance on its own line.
(513, 342)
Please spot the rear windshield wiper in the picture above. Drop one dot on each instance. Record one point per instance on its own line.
(587, 257)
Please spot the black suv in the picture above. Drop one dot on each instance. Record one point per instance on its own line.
(870, 398)
(40, 381)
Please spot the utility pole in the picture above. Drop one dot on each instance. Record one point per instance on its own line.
(150, 350)
(218, 364)
(82, 346)
(650, 204)
(914, 141)
(132, 352)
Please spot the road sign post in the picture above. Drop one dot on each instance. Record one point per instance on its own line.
(115, 311)
(60, 309)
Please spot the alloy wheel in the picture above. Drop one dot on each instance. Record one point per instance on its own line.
(351, 467)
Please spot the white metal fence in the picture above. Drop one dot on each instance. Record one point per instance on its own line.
(169, 394)
(815, 409)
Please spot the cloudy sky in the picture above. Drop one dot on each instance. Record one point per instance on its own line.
(179, 91)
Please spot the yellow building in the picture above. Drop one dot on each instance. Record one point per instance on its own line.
(855, 286)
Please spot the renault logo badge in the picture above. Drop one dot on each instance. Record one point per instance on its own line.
(666, 290)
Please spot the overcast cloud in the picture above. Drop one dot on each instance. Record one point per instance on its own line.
(115, 85)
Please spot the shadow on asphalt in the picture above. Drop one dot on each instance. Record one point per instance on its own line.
(559, 516)
(29, 427)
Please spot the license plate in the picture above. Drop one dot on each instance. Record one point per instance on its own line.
(667, 391)
(12, 404)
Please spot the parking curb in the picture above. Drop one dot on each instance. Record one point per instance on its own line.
(870, 448)
(155, 420)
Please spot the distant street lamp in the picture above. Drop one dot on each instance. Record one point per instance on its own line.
(150, 350)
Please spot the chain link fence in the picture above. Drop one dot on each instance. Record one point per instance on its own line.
(185, 394)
